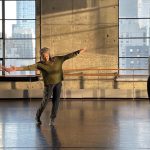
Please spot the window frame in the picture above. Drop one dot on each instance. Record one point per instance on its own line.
(129, 38)
(4, 58)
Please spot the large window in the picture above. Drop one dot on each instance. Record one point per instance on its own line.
(17, 34)
(134, 36)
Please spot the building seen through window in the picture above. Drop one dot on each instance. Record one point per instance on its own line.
(18, 25)
(134, 35)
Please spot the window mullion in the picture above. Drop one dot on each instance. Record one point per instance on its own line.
(3, 33)
(18, 34)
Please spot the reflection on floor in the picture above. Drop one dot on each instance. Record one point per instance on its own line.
(101, 125)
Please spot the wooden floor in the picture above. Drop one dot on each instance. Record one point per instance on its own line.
(80, 125)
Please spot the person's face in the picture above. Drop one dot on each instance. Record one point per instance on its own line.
(45, 56)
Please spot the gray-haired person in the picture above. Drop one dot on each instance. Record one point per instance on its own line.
(52, 72)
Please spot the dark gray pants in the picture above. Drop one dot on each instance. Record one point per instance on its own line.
(49, 90)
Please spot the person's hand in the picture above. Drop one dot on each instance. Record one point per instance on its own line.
(10, 69)
(82, 50)
(4, 68)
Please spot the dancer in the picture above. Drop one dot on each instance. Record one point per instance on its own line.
(51, 69)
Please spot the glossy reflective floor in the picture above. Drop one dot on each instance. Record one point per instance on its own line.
(100, 125)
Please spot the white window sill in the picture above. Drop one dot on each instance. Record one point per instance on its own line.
(132, 78)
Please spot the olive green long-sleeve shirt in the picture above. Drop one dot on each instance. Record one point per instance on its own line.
(52, 70)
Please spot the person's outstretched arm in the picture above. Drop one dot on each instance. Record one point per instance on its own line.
(73, 54)
(23, 68)
(37, 66)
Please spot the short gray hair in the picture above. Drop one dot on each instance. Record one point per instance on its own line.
(44, 50)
